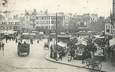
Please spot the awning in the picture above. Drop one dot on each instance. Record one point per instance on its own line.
(9, 32)
(98, 36)
(62, 44)
(32, 34)
(112, 42)
(81, 42)
(25, 34)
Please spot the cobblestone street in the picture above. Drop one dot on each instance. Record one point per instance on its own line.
(35, 62)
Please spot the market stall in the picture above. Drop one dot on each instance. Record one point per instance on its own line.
(79, 50)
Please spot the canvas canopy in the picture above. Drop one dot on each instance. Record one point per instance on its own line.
(25, 34)
(98, 36)
(62, 44)
(32, 34)
(83, 43)
(41, 33)
(9, 32)
(112, 42)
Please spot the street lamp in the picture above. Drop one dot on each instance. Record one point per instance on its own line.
(57, 25)
(56, 30)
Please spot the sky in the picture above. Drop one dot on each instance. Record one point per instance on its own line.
(101, 7)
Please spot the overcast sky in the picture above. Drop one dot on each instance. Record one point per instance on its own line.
(101, 7)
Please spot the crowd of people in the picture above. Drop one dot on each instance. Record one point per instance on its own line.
(72, 50)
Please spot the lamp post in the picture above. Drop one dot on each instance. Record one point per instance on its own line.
(55, 47)
(56, 29)
(57, 24)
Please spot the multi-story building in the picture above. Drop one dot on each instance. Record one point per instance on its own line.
(110, 27)
(67, 21)
(113, 18)
(10, 25)
(46, 21)
(7, 22)
(28, 21)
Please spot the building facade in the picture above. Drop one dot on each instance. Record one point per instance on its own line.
(110, 27)
(10, 25)
(8, 22)
(46, 21)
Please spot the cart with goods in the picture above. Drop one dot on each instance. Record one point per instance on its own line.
(79, 48)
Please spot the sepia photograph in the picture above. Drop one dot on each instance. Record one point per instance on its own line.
(57, 35)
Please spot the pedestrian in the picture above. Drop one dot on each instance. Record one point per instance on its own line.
(51, 52)
(93, 49)
(85, 55)
(109, 51)
(72, 54)
(19, 44)
(16, 40)
(69, 57)
(6, 39)
(37, 41)
(31, 41)
(60, 55)
(55, 55)
(2, 46)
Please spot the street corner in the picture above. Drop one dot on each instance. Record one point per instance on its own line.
(47, 57)
(76, 64)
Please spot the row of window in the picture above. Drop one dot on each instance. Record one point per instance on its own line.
(43, 22)
(108, 27)
(9, 22)
(6, 28)
(45, 17)
(45, 27)
(46, 22)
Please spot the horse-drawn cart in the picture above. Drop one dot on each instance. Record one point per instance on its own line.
(23, 49)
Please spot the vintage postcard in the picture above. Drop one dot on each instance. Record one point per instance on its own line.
(57, 35)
